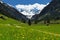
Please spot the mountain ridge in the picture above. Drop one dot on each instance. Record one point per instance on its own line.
(52, 11)
(11, 12)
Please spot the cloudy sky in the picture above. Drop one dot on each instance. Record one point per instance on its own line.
(28, 7)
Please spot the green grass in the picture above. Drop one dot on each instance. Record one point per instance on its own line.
(11, 29)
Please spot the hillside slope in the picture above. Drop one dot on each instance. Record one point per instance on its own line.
(52, 11)
(11, 12)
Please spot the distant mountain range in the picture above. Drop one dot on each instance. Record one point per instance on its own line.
(30, 10)
(33, 12)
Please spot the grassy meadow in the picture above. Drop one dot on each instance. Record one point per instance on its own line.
(11, 29)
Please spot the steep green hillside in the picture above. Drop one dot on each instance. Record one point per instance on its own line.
(11, 29)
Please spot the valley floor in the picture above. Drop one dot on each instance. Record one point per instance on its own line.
(11, 29)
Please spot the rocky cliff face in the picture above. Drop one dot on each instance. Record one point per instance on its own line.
(52, 10)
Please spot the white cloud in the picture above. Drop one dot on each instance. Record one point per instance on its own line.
(30, 10)
(28, 7)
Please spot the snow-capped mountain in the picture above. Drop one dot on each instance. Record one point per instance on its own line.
(30, 10)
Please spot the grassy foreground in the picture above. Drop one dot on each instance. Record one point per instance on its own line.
(11, 29)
